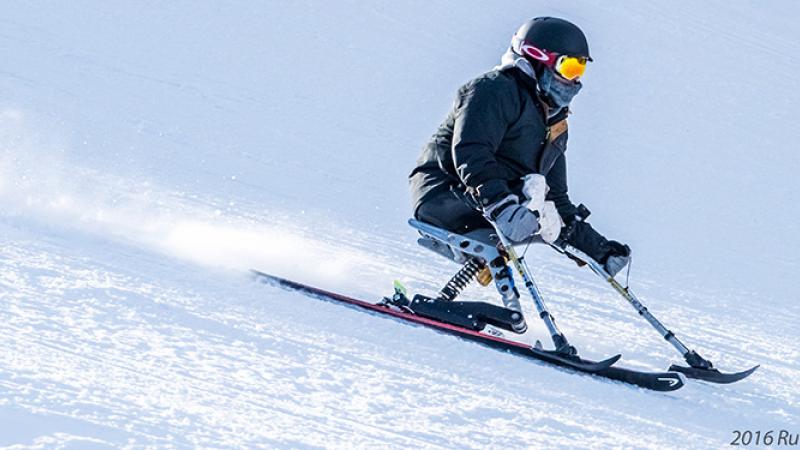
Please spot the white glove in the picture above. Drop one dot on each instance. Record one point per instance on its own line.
(550, 223)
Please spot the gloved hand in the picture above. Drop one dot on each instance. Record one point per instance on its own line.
(619, 255)
(582, 236)
(516, 222)
(613, 255)
(535, 189)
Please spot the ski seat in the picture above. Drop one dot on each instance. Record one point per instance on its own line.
(480, 243)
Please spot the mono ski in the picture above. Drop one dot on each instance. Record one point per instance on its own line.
(657, 381)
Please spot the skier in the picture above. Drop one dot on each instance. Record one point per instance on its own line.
(496, 171)
(502, 145)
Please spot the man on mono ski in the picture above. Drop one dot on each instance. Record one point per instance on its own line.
(500, 155)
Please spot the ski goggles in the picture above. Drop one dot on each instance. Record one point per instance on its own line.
(569, 67)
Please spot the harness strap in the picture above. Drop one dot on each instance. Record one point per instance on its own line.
(557, 129)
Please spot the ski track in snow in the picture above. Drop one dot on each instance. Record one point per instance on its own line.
(140, 177)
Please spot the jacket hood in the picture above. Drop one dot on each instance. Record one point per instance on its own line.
(511, 59)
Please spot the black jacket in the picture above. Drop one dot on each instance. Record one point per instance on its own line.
(495, 134)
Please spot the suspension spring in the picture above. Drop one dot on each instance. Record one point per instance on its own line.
(460, 280)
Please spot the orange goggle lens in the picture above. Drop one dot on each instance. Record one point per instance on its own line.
(570, 67)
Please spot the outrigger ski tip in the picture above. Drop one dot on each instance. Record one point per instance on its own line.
(713, 375)
(702, 369)
(575, 361)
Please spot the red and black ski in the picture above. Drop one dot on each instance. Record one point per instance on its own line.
(657, 381)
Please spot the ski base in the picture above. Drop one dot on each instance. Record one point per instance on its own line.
(657, 381)
(472, 315)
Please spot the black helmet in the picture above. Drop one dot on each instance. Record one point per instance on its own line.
(551, 35)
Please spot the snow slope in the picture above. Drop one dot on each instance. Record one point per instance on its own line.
(151, 153)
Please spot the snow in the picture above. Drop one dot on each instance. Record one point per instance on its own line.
(151, 153)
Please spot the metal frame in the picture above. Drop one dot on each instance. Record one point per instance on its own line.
(559, 340)
(489, 253)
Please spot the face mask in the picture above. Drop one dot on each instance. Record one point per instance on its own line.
(560, 93)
